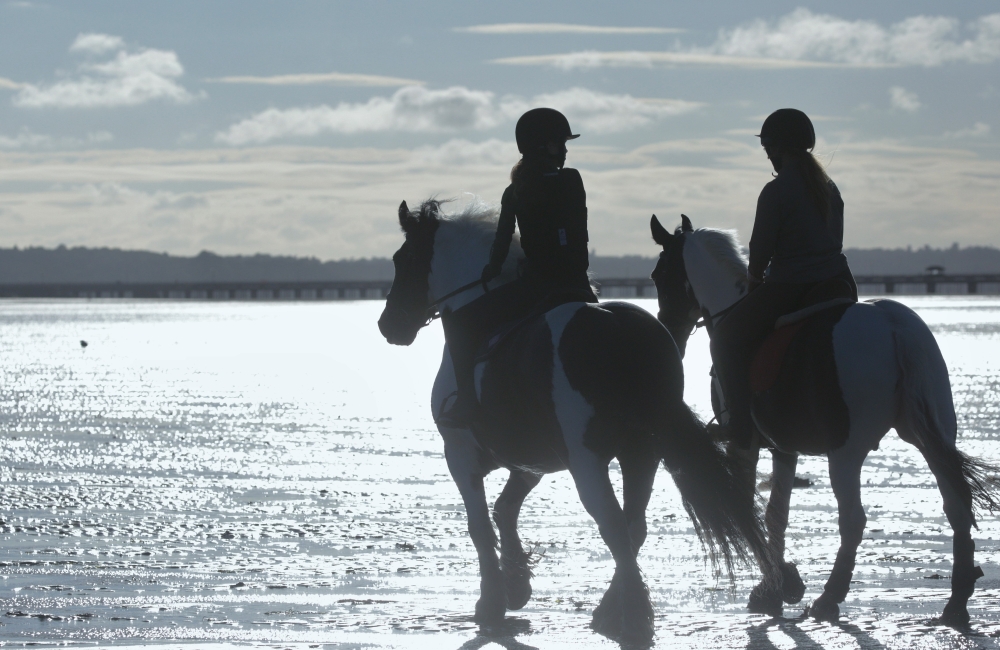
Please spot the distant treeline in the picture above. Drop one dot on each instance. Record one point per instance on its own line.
(67, 265)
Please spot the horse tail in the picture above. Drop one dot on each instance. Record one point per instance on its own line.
(926, 411)
(717, 494)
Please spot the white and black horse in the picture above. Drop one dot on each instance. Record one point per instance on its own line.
(851, 373)
(572, 389)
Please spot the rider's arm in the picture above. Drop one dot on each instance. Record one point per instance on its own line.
(765, 232)
(505, 232)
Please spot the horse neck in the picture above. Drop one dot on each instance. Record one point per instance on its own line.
(716, 285)
(460, 253)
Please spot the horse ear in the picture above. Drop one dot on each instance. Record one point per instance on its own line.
(686, 224)
(405, 219)
(660, 234)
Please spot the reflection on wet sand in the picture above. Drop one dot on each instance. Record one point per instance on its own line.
(181, 481)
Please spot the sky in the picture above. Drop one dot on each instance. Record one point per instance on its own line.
(298, 127)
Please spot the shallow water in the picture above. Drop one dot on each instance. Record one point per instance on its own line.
(211, 475)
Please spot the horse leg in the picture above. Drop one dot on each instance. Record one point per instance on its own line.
(638, 474)
(630, 614)
(787, 586)
(958, 510)
(845, 477)
(513, 558)
(468, 469)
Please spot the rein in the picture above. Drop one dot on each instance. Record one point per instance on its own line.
(710, 318)
(432, 309)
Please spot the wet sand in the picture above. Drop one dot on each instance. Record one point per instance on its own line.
(208, 475)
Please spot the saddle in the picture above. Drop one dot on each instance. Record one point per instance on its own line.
(505, 330)
(770, 355)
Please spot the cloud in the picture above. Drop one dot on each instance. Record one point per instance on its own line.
(606, 113)
(26, 139)
(904, 100)
(342, 202)
(919, 40)
(127, 79)
(327, 78)
(413, 108)
(803, 38)
(561, 28)
(594, 59)
(97, 43)
(978, 130)
(417, 109)
(9, 84)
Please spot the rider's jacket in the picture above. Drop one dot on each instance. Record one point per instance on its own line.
(790, 236)
(550, 210)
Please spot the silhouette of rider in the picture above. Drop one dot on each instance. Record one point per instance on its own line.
(797, 242)
(548, 204)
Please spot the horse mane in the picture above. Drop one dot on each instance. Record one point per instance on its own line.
(477, 219)
(724, 247)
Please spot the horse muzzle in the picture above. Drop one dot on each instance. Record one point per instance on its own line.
(396, 326)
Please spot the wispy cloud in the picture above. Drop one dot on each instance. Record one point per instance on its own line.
(805, 39)
(127, 79)
(9, 84)
(595, 59)
(562, 28)
(978, 130)
(904, 100)
(27, 139)
(417, 109)
(323, 78)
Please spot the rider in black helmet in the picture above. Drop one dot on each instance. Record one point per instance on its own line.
(797, 242)
(548, 204)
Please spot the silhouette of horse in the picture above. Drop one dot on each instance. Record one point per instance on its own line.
(852, 372)
(571, 389)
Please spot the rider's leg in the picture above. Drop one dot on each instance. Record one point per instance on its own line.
(734, 343)
(466, 330)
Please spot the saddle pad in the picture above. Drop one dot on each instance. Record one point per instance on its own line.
(767, 362)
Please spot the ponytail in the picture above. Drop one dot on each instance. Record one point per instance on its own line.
(817, 182)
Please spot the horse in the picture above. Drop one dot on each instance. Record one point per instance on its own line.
(572, 388)
(860, 368)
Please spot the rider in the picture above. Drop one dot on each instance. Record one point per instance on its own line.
(797, 242)
(549, 206)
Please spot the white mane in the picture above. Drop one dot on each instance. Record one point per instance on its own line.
(724, 245)
(715, 268)
(462, 248)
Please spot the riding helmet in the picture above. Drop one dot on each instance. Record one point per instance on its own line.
(788, 128)
(539, 126)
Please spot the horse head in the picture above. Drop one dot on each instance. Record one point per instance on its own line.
(679, 310)
(408, 300)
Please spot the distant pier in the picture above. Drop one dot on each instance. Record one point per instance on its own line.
(940, 284)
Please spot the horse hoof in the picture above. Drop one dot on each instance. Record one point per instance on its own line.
(765, 600)
(955, 615)
(792, 587)
(491, 606)
(518, 592)
(824, 609)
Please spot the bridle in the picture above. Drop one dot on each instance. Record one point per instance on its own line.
(688, 325)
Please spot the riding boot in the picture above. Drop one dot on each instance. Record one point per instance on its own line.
(740, 427)
(463, 344)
